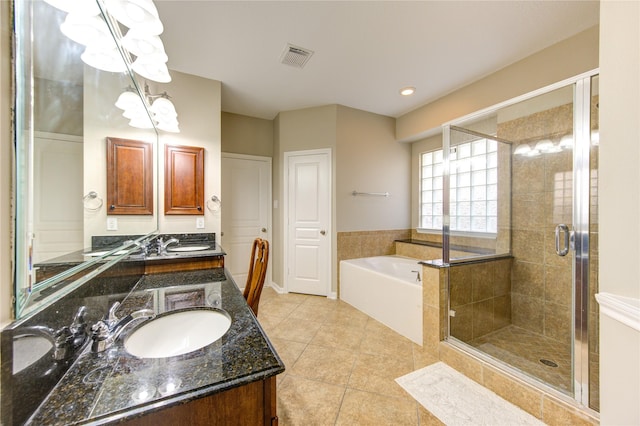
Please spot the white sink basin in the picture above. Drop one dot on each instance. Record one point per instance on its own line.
(188, 248)
(177, 333)
(28, 349)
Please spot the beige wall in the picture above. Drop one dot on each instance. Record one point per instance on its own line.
(619, 204)
(197, 101)
(101, 120)
(5, 165)
(305, 129)
(558, 62)
(247, 135)
(368, 159)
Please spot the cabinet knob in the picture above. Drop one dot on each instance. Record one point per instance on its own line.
(323, 232)
(199, 208)
(112, 207)
(264, 230)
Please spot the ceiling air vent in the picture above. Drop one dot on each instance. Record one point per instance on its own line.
(296, 56)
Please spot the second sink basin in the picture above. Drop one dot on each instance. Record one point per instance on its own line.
(177, 333)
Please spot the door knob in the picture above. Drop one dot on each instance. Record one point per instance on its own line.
(323, 232)
(264, 230)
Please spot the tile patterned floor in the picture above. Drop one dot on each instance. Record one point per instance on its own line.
(524, 350)
(341, 365)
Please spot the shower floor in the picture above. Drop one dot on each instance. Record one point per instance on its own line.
(524, 350)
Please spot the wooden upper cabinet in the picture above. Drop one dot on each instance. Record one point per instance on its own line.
(183, 180)
(129, 177)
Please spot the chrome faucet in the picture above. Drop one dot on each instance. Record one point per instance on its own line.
(417, 276)
(143, 246)
(105, 332)
(162, 245)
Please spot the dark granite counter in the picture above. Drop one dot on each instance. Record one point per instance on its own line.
(111, 386)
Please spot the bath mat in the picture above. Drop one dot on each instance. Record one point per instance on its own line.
(457, 400)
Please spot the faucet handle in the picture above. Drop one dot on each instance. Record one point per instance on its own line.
(113, 319)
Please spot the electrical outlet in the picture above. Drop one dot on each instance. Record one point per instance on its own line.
(112, 224)
(200, 223)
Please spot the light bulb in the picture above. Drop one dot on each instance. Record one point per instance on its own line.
(87, 30)
(138, 14)
(141, 44)
(104, 59)
(152, 67)
(522, 149)
(82, 7)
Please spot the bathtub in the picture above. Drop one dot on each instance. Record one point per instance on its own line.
(386, 289)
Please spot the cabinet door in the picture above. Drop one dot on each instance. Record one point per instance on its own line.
(129, 177)
(183, 180)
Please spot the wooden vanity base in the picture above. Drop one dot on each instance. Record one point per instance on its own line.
(251, 404)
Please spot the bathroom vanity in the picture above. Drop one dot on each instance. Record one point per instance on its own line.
(231, 380)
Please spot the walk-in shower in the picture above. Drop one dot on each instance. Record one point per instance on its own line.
(520, 226)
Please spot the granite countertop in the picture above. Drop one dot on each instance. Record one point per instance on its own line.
(81, 256)
(113, 385)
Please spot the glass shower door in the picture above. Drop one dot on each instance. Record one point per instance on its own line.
(538, 314)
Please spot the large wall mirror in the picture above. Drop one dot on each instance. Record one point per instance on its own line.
(65, 111)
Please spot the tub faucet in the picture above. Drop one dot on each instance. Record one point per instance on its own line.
(105, 332)
(162, 245)
(417, 276)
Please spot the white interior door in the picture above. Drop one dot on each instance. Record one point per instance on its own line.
(58, 223)
(246, 201)
(308, 222)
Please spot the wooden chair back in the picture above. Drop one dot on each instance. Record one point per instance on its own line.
(257, 273)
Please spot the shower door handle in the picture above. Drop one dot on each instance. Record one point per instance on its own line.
(568, 237)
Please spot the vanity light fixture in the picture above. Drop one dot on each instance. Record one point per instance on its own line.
(163, 112)
(566, 142)
(87, 30)
(136, 14)
(86, 26)
(87, 8)
(546, 146)
(522, 149)
(407, 91)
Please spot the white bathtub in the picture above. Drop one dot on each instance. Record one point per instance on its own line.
(385, 288)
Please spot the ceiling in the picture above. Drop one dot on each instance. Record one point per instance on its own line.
(364, 51)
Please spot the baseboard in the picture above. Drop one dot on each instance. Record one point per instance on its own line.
(276, 287)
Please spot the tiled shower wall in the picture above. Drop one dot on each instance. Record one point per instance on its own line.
(542, 196)
(480, 298)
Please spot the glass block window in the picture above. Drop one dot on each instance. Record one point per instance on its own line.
(474, 188)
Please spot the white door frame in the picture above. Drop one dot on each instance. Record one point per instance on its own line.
(269, 233)
(285, 207)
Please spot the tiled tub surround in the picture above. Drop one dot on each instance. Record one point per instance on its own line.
(100, 387)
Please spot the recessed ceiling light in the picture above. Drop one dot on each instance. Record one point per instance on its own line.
(406, 91)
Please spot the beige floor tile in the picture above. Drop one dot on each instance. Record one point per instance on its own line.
(268, 322)
(288, 350)
(312, 312)
(306, 402)
(277, 307)
(296, 329)
(347, 315)
(339, 336)
(427, 418)
(389, 344)
(322, 301)
(364, 408)
(377, 374)
(329, 365)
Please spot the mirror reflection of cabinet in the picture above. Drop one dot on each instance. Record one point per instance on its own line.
(183, 180)
(129, 177)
